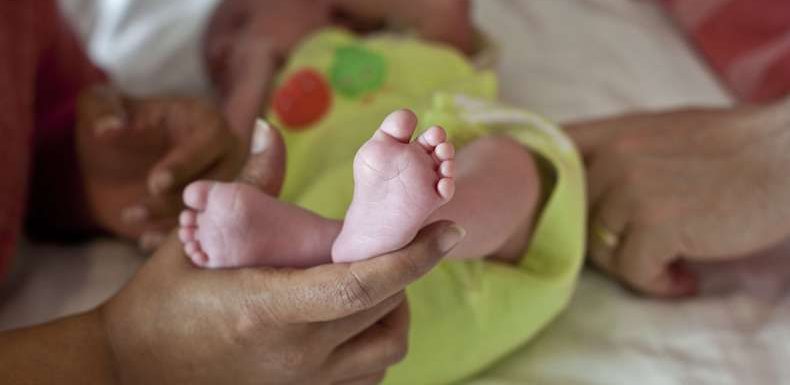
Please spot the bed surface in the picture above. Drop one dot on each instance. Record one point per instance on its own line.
(570, 59)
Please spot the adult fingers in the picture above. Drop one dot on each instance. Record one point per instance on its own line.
(332, 292)
(341, 331)
(102, 111)
(189, 159)
(605, 174)
(647, 263)
(590, 135)
(379, 347)
(265, 166)
(155, 217)
(609, 217)
(153, 209)
(641, 254)
(152, 239)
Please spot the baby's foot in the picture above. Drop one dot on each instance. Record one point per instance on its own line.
(398, 184)
(231, 225)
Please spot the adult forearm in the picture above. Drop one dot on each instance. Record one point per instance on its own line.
(68, 351)
(241, 61)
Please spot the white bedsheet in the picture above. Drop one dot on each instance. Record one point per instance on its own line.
(569, 59)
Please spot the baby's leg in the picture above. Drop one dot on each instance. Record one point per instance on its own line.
(497, 193)
(494, 182)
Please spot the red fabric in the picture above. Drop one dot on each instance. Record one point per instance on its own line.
(746, 41)
(41, 70)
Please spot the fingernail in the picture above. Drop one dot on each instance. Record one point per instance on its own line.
(451, 238)
(107, 124)
(150, 241)
(160, 182)
(135, 214)
(261, 137)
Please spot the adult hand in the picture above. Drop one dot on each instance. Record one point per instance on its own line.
(333, 324)
(700, 185)
(137, 155)
(447, 21)
(247, 40)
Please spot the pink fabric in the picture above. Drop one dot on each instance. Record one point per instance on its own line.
(41, 71)
(746, 41)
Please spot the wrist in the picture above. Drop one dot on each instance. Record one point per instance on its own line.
(72, 350)
(772, 118)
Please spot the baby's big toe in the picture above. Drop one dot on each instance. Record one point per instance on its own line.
(399, 125)
(196, 195)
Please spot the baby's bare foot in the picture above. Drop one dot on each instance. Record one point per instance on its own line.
(231, 225)
(398, 184)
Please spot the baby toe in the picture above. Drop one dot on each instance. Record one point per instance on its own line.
(199, 258)
(433, 137)
(186, 235)
(446, 188)
(191, 247)
(188, 218)
(447, 169)
(445, 151)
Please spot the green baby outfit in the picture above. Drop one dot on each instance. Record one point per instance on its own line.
(334, 94)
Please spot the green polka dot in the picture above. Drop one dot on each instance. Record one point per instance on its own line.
(357, 71)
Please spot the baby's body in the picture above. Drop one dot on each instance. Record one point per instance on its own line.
(491, 190)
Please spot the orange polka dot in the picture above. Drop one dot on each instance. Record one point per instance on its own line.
(303, 99)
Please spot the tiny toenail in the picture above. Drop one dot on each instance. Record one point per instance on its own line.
(135, 214)
(107, 124)
(448, 169)
(261, 138)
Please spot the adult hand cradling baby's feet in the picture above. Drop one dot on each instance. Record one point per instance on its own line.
(138, 155)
